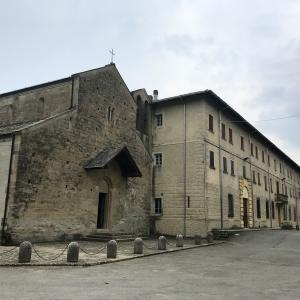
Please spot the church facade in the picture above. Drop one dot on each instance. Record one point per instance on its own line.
(85, 155)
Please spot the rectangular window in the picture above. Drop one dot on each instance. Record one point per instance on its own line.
(256, 152)
(242, 143)
(232, 168)
(252, 150)
(225, 165)
(258, 210)
(159, 120)
(285, 212)
(273, 210)
(258, 179)
(223, 132)
(280, 168)
(277, 187)
(244, 172)
(158, 159)
(230, 136)
(275, 165)
(211, 123)
(267, 209)
(263, 156)
(286, 190)
(269, 160)
(211, 159)
(295, 214)
(271, 185)
(290, 213)
(157, 206)
(230, 206)
(265, 181)
(253, 177)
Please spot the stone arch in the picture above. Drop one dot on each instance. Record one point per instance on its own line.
(245, 193)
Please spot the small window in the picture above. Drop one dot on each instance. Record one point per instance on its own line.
(225, 165)
(252, 149)
(290, 213)
(253, 176)
(211, 160)
(285, 212)
(230, 136)
(230, 206)
(269, 160)
(242, 143)
(266, 183)
(158, 159)
(211, 123)
(271, 185)
(258, 178)
(267, 209)
(263, 156)
(223, 131)
(159, 120)
(157, 206)
(256, 152)
(280, 168)
(258, 210)
(295, 214)
(275, 165)
(244, 172)
(273, 210)
(232, 168)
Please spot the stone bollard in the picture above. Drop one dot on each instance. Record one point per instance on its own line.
(210, 237)
(198, 239)
(25, 251)
(138, 245)
(112, 249)
(73, 252)
(162, 243)
(179, 240)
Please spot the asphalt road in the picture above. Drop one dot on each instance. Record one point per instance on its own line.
(255, 265)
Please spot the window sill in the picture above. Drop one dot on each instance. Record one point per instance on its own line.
(225, 172)
(212, 167)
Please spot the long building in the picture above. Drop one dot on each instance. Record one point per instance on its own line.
(86, 157)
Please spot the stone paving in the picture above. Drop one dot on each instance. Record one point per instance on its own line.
(91, 253)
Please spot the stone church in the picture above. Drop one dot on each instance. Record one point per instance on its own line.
(84, 156)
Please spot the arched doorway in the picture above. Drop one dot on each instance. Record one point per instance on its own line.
(104, 203)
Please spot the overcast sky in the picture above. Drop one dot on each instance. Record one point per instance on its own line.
(248, 52)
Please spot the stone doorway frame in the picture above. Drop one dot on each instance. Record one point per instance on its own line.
(245, 193)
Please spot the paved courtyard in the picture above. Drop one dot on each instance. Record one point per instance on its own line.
(255, 265)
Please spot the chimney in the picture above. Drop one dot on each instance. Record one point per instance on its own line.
(155, 95)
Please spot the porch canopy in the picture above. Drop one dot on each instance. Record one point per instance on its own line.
(122, 156)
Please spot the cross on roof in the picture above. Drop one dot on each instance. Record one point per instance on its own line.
(112, 55)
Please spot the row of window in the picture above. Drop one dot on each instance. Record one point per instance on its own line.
(253, 148)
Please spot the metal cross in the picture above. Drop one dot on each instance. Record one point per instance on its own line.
(112, 55)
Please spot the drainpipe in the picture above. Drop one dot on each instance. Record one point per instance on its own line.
(269, 189)
(7, 190)
(220, 170)
(184, 172)
(204, 180)
(251, 180)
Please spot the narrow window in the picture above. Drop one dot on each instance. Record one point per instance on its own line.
(267, 209)
(230, 136)
(211, 160)
(277, 187)
(158, 159)
(273, 210)
(271, 185)
(159, 120)
(223, 132)
(211, 123)
(230, 206)
(258, 178)
(232, 168)
(244, 172)
(280, 168)
(252, 150)
(285, 213)
(256, 152)
(188, 202)
(242, 143)
(258, 211)
(263, 156)
(225, 165)
(275, 165)
(253, 176)
(157, 206)
(265, 181)
(295, 214)
(268, 160)
(290, 213)
(286, 190)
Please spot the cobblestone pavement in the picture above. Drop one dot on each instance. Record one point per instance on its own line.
(90, 252)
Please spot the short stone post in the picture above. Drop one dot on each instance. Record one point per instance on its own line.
(179, 240)
(25, 251)
(138, 245)
(210, 237)
(73, 252)
(162, 243)
(198, 239)
(112, 247)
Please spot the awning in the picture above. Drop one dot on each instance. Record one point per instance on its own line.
(122, 156)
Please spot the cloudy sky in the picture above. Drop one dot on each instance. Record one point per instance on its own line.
(248, 52)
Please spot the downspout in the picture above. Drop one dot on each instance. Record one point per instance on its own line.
(7, 190)
(269, 185)
(251, 180)
(220, 171)
(184, 172)
(204, 179)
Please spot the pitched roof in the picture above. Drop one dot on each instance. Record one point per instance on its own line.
(123, 157)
